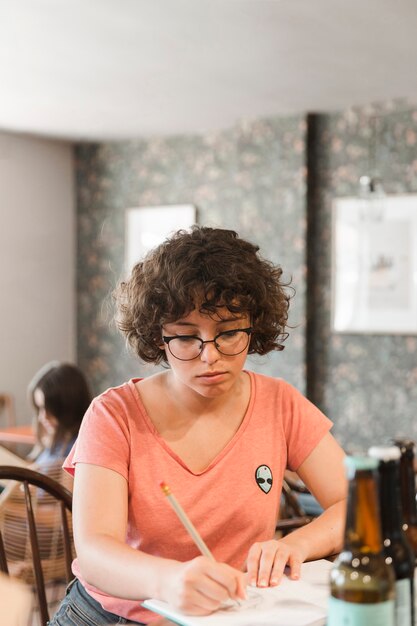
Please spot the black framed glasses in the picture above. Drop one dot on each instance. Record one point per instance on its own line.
(189, 347)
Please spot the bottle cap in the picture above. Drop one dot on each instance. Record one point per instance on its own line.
(385, 453)
(360, 463)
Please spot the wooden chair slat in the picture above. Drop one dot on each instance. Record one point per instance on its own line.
(3, 560)
(36, 557)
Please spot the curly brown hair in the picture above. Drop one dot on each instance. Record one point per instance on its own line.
(209, 268)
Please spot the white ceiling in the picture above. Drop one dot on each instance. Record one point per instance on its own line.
(114, 69)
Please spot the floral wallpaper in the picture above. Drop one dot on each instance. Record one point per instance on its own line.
(250, 178)
(366, 383)
(253, 178)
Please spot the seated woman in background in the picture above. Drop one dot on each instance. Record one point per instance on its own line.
(60, 395)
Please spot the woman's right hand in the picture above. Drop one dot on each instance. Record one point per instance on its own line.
(100, 520)
(201, 586)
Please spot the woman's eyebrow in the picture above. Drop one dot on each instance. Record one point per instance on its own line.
(194, 325)
(173, 327)
(231, 319)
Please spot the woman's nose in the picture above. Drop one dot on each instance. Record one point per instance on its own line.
(209, 354)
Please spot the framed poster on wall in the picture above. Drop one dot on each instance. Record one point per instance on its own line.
(374, 265)
(146, 227)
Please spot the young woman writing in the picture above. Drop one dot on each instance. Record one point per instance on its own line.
(220, 435)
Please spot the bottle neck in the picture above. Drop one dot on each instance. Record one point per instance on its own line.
(390, 499)
(408, 491)
(363, 530)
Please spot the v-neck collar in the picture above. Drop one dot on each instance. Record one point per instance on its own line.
(161, 441)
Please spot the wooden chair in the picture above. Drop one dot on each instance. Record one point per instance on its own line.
(292, 514)
(38, 511)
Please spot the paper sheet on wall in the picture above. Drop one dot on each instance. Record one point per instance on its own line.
(292, 603)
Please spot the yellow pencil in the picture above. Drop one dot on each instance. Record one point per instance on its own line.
(189, 526)
(187, 523)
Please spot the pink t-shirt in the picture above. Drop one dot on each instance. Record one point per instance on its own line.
(233, 502)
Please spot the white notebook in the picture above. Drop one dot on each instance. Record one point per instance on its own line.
(10, 458)
(292, 603)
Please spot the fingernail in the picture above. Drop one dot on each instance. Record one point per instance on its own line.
(253, 582)
(295, 576)
(274, 581)
(263, 583)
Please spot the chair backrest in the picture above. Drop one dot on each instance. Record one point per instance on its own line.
(40, 498)
(289, 491)
(292, 514)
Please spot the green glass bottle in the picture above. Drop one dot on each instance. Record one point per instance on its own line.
(394, 539)
(408, 491)
(361, 582)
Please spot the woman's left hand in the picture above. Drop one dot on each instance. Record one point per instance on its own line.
(267, 560)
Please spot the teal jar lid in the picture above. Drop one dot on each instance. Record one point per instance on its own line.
(354, 463)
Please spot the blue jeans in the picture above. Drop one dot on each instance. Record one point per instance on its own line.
(78, 608)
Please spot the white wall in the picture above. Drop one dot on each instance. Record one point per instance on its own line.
(37, 260)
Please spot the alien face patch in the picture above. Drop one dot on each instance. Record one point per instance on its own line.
(263, 477)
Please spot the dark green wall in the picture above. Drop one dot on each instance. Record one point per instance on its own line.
(366, 383)
(250, 178)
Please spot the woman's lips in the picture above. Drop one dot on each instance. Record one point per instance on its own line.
(212, 376)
